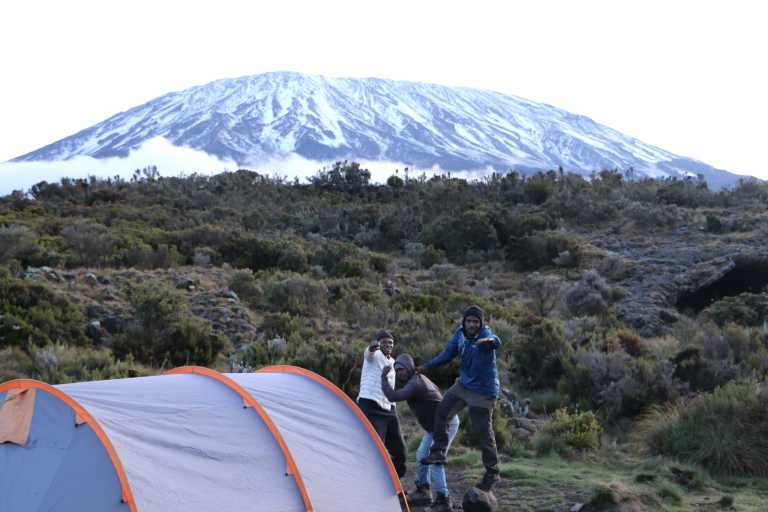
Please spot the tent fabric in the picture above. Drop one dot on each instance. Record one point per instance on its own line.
(16, 411)
(333, 449)
(187, 443)
(49, 472)
(196, 441)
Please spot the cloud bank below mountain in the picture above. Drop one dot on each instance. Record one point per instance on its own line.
(172, 160)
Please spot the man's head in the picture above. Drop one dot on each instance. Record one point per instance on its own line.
(404, 367)
(473, 320)
(386, 342)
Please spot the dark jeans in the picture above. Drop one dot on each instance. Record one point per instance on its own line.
(387, 426)
(480, 414)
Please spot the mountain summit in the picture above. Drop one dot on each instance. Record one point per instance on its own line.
(254, 118)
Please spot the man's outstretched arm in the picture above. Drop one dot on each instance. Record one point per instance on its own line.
(445, 356)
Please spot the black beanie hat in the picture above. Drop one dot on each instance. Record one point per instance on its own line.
(476, 311)
(384, 334)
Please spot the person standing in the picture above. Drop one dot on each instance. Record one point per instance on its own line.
(477, 388)
(423, 397)
(373, 402)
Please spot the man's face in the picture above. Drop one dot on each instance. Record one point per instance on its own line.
(402, 374)
(387, 344)
(471, 325)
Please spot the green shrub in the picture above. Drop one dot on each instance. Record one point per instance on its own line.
(431, 256)
(15, 364)
(472, 230)
(90, 243)
(297, 295)
(281, 324)
(339, 362)
(419, 301)
(58, 364)
(591, 296)
(541, 249)
(190, 342)
(567, 432)
(538, 353)
(723, 431)
(544, 293)
(17, 242)
(379, 262)
(165, 335)
(33, 314)
(616, 384)
(714, 225)
(750, 309)
(244, 284)
(341, 259)
(155, 306)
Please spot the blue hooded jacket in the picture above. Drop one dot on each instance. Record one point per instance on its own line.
(477, 369)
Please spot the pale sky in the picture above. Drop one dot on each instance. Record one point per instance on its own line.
(687, 76)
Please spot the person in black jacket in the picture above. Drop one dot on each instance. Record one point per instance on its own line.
(423, 397)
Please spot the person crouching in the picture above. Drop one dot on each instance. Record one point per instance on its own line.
(423, 397)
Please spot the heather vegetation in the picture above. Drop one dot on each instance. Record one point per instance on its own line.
(111, 278)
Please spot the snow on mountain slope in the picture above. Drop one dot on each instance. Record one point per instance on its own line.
(253, 118)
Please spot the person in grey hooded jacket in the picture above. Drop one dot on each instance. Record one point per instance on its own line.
(477, 387)
(423, 397)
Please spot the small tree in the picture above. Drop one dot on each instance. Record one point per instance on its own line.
(91, 243)
(543, 292)
(17, 242)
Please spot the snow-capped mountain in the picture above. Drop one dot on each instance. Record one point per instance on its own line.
(254, 118)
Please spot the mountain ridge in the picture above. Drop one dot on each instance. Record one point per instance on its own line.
(257, 117)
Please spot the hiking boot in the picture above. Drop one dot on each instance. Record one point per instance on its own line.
(433, 458)
(489, 479)
(421, 497)
(442, 504)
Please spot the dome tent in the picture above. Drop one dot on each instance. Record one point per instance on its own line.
(192, 440)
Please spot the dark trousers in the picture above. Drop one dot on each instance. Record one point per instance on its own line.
(387, 426)
(480, 415)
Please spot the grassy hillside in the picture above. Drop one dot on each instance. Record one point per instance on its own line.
(635, 308)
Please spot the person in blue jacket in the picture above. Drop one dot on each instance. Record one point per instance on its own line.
(477, 387)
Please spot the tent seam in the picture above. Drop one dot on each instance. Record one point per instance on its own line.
(251, 402)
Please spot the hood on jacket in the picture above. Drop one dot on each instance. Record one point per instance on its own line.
(475, 311)
(405, 361)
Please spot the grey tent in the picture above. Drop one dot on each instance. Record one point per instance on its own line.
(192, 440)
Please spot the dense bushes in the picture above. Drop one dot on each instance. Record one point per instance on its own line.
(617, 385)
(164, 334)
(312, 290)
(59, 363)
(17, 242)
(31, 314)
(542, 249)
(723, 431)
(538, 353)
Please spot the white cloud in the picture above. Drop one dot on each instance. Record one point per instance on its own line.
(173, 160)
(170, 160)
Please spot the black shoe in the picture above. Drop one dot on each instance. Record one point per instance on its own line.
(488, 481)
(442, 504)
(433, 458)
(421, 497)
